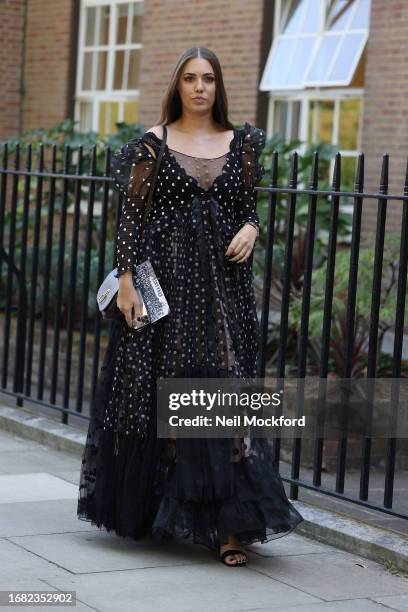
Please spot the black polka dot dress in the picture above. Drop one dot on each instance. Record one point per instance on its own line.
(205, 489)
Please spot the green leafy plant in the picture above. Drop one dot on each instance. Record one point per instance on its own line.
(60, 136)
(388, 304)
(285, 153)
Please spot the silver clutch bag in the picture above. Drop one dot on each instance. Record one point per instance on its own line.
(155, 305)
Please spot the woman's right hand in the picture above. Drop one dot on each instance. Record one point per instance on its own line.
(128, 300)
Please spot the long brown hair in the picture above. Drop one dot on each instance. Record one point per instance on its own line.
(171, 105)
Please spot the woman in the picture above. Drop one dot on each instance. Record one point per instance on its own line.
(199, 238)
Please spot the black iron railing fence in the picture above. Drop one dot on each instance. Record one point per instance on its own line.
(358, 195)
(57, 243)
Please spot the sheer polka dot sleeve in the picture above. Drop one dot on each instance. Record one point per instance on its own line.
(252, 172)
(131, 168)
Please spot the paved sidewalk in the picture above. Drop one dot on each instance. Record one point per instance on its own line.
(43, 546)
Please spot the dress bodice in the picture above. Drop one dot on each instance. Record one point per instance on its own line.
(189, 193)
(204, 170)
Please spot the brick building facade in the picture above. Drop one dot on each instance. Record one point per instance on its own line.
(232, 30)
(36, 61)
(385, 108)
(39, 59)
(12, 18)
(41, 67)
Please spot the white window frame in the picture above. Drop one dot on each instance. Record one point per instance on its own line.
(304, 97)
(319, 36)
(305, 94)
(96, 97)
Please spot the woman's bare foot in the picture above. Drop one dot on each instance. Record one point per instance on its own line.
(234, 558)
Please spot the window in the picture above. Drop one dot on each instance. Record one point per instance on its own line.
(287, 118)
(316, 43)
(109, 53)
(318, 116)
(314, 74)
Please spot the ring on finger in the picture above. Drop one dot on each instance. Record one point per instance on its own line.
(239, 256)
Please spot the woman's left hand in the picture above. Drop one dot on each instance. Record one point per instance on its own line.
(240, 247)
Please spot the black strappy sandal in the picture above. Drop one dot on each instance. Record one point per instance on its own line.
(233, 551)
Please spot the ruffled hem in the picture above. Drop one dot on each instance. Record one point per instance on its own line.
(119, 491)
(210, 525)
(208, 495)
(143, 491)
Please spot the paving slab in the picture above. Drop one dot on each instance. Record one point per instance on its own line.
(36, 518)
(17, 562)
(37, 585)
(102, 551)
(33, 460)
(198, 588)
(43, 546)
(332, 576)
(38, 486)
(358, 605)
(395, 602)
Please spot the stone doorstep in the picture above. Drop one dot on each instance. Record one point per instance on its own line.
(42, 429)
(327, 527)
(357, 537)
